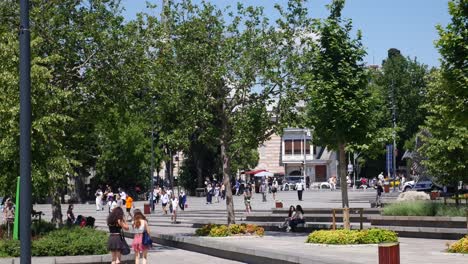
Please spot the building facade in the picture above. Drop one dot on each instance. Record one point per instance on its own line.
(293, 153)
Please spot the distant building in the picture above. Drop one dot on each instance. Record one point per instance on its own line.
(286, 155)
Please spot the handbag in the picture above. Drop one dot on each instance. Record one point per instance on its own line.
(125, 249)
(146, 240)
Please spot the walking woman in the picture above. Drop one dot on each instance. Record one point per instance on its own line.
(140, 225)
(116, 222)
(247, 197)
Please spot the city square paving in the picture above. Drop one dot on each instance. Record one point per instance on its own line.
(412, 250)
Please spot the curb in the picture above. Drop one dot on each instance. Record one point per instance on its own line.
(242, 254)
(90, 259)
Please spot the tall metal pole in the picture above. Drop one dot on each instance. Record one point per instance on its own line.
(305, 133)
(394, 136)
(25, 133)
(152, 166)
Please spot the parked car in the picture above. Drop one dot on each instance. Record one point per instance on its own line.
(423, 184)
(289, 182)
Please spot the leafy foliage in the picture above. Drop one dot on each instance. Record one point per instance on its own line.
(229, 230)
(461, 246)
(63, 242)
(447, 123)
(422, 208)
(345, 237)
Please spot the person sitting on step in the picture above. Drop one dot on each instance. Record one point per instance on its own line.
(297, 218)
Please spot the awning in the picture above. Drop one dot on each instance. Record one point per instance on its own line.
(253, 172)
(264, 174)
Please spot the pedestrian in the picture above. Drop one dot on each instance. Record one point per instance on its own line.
(99, 194)
(182, 200)
(216, 192)
(274, 188)
(70, 216)
(223, 191)
(123, 195)
(307, 182)
(118, 201)
(297, 218)
(140, 225)
(8, 211)
(110, 199)
(209, 193)
(129, 205)
(247, 198)
(174, 204)
(263, 191)
(300, 189)
(332, 182)
(115, 222)
(237, 187)
(378, 201)
(291, 212)
(164, 201)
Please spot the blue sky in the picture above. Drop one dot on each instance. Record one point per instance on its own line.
(408, 25)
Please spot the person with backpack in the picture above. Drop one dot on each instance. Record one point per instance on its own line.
(378, 198)
(70, 216)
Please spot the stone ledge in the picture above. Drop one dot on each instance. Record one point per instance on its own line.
(90, 259)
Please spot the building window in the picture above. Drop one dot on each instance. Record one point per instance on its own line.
(297, 149)
(308, 146)
(288, 147)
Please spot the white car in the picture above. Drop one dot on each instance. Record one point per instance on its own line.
(408, 185)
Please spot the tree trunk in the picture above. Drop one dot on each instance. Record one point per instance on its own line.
(56, 209)
(227, 183)
(198, 168)
(343, 184)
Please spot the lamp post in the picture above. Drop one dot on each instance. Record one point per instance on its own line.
(152, 162)
(25, 133)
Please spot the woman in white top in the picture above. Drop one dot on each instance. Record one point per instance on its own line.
(175, 204)
(216, 192)
(164, 201)
(140, 224)
(99, 195)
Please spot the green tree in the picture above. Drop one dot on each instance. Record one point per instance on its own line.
(236, 74)
(340, 105)
(446, 148)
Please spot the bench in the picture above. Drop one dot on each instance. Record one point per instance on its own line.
(200, 192)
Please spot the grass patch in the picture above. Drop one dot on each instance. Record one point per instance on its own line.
(423, 208)
(229, 230)
(74, 241)
(461, 246)
(350, 237)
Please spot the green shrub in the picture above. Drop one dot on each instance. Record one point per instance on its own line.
(71, 242)
(461, 246)
(423, 208)
(40, 228)
(220, 231)
(346, 237)
(233, 229)
(205, 230)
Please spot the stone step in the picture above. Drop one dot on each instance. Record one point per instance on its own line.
(426, 232)
(420, 221)
(306, 218)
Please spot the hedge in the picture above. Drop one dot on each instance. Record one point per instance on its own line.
(423, 208)
(213, 230)
(345, 237)
(74, 241)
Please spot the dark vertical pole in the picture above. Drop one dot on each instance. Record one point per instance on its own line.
(25, 134)
(152, 167)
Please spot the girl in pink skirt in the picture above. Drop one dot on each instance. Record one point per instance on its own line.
(140, 224)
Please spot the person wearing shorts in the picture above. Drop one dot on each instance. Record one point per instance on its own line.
(129, 205)
(164, 201)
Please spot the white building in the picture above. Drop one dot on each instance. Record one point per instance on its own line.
(287, 155)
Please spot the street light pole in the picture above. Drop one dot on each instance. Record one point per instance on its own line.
(25, 133)
(152, 167)
(304, 174)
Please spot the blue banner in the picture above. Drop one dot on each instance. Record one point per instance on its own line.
(389, 160)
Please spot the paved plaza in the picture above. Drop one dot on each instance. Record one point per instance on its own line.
(289, 246)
